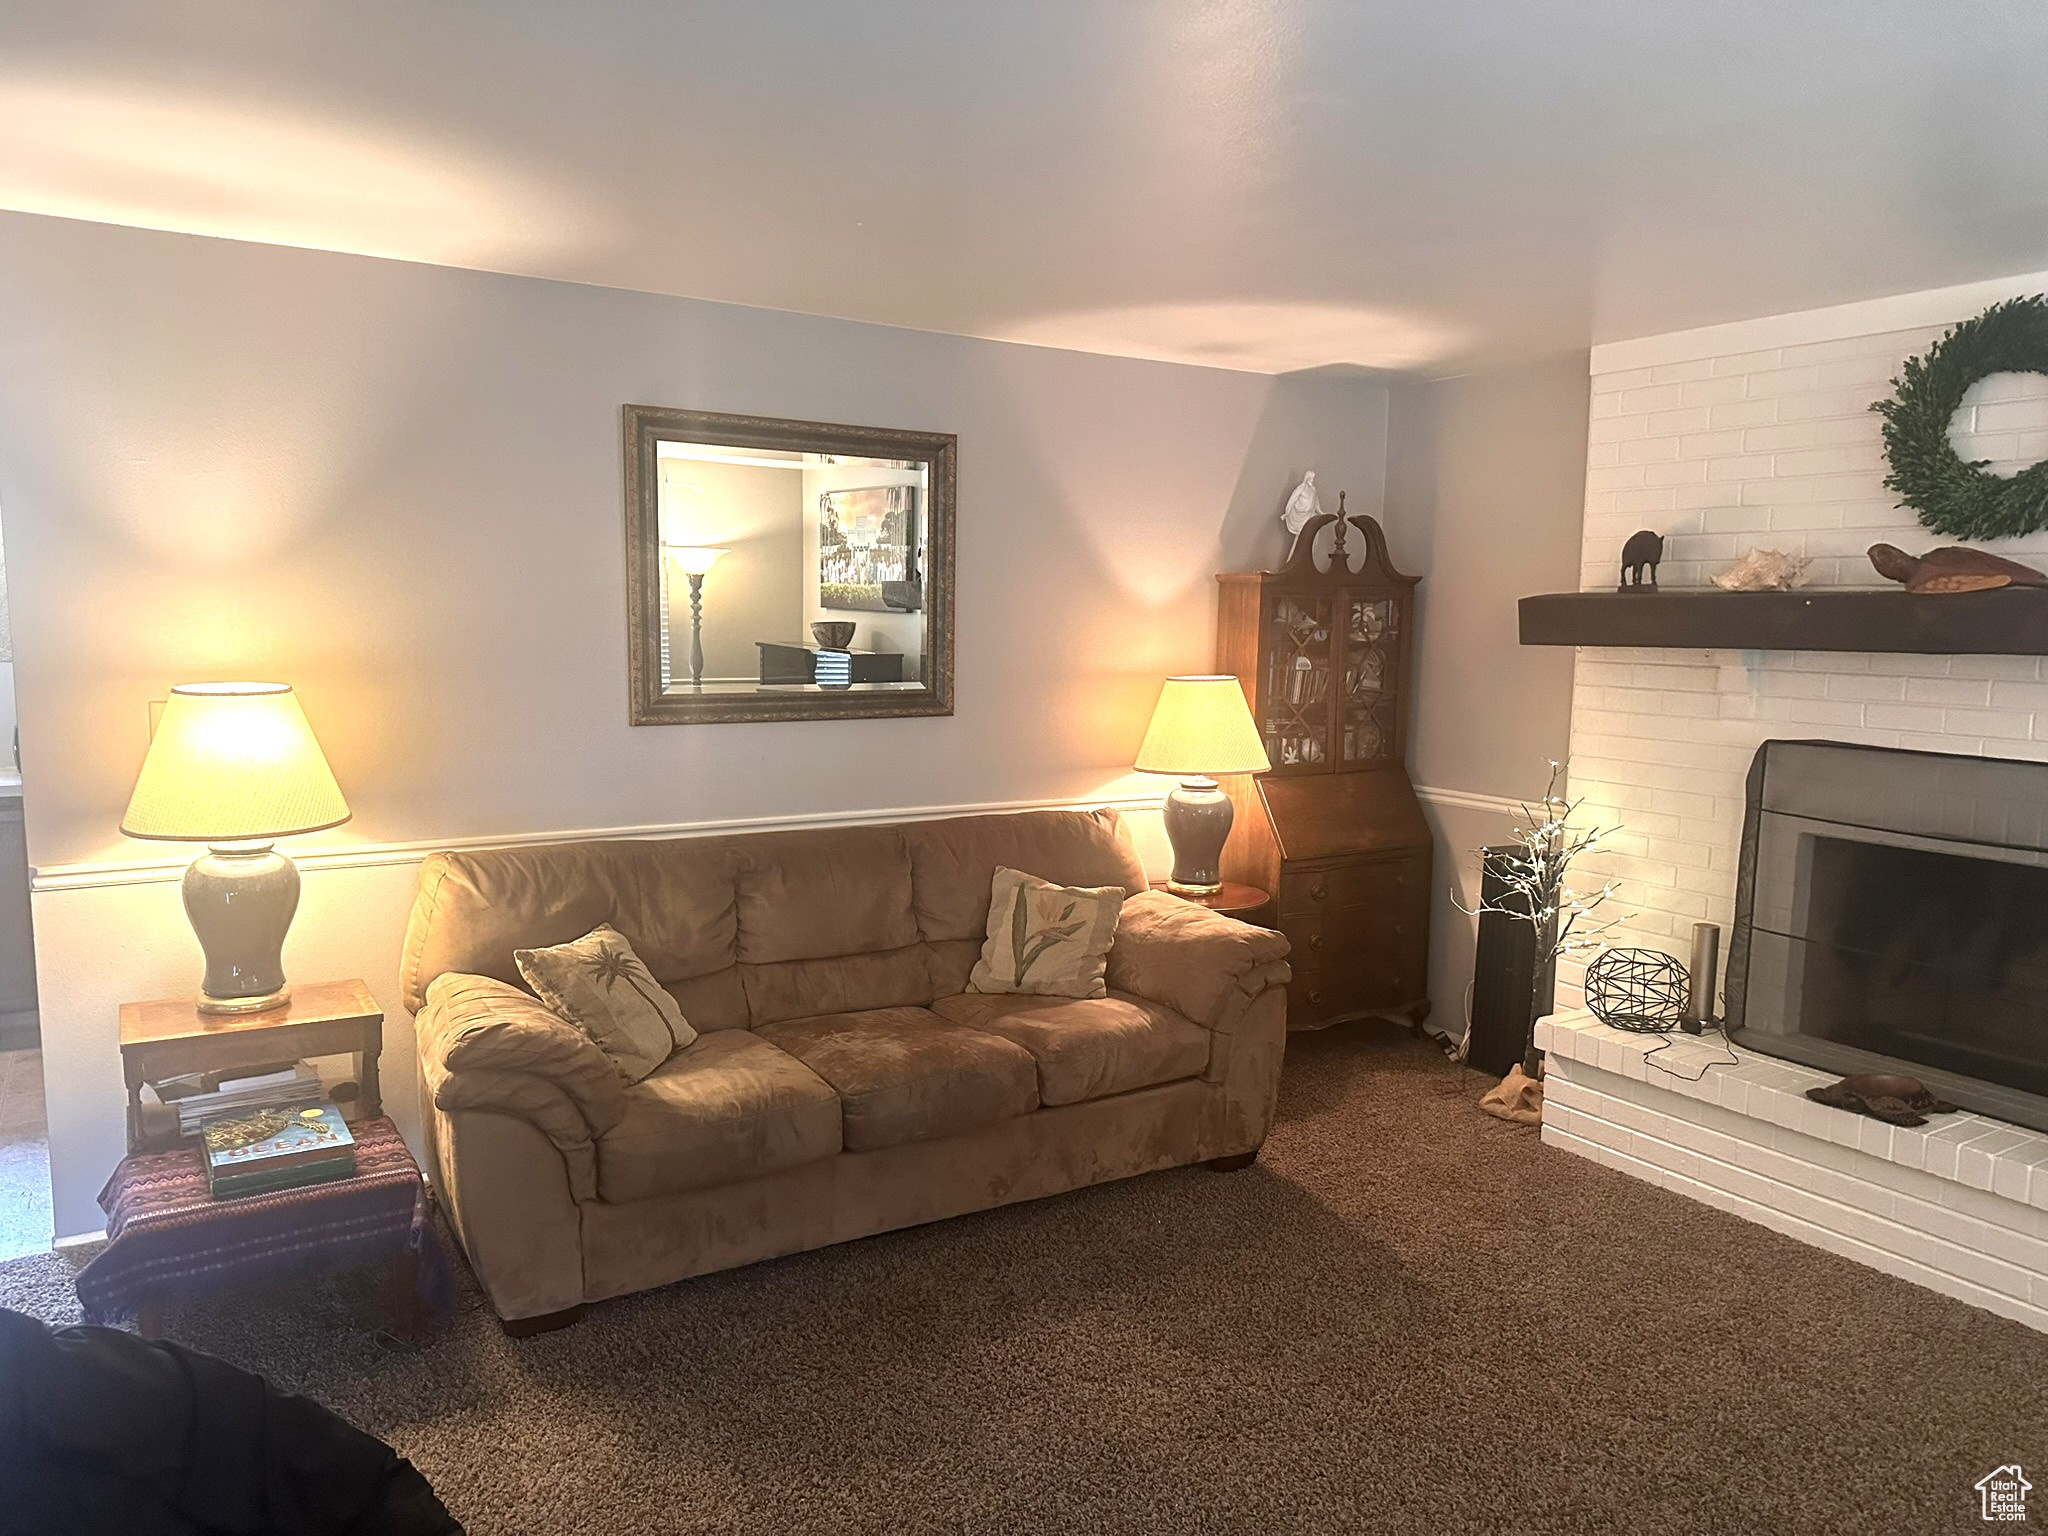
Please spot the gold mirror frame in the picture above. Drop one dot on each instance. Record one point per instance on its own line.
(646, 426)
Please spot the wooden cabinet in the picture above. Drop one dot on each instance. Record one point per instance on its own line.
(1335, 830)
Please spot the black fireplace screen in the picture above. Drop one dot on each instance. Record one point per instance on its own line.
(1892, 915)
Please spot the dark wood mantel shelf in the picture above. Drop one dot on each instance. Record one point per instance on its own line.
(2011, 621)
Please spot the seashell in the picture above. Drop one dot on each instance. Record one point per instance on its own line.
(1764, 570)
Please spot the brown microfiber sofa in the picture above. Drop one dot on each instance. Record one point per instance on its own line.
(845, 1082)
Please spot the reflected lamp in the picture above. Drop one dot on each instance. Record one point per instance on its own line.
(695, 561)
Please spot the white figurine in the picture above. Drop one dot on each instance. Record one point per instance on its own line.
(1301, 506)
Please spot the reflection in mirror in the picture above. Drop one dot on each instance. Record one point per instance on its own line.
(781, 572)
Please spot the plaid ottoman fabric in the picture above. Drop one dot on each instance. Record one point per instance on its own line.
(166, 1235)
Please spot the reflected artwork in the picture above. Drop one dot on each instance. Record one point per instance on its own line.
(867, 550)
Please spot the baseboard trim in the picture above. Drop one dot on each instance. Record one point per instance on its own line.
(95, 876)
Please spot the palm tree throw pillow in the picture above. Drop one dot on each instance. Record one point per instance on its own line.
(1046, 939)
(599, 985)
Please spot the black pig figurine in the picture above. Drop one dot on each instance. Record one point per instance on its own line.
(1641, 553)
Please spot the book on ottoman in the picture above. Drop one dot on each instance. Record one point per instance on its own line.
(273, 1149)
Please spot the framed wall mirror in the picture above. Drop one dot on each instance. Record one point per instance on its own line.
(786, 570)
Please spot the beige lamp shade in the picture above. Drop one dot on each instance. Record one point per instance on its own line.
(233, 762)
(1202, 725)
(695, 559)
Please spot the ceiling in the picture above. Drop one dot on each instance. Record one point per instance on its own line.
(1261, 184)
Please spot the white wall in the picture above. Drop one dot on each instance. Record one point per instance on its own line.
(1762, 434)
(1486, 475)
(398, 487)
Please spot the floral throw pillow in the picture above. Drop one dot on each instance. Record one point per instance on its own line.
(599, 985)
(1046, 939)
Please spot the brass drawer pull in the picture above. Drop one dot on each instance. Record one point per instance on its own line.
(1315, 997)
(1316, 942)
(1320, 892)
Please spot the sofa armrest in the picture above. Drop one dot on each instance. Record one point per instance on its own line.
(486, 1045)
(1205, 966)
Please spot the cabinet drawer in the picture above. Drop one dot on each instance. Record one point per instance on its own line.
(1318, 888)
(1347, 936)
(1316, 995)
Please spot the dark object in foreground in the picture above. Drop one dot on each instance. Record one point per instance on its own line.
(1507, 997)
(1640, 557)
(1952, 568)
(107, 1432)
(1888, 1096)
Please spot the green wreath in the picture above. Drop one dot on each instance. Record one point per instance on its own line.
(1953, 495)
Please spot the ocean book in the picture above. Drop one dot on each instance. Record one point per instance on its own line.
(274, 1140)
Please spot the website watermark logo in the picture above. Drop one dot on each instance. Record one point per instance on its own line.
(2004, 1493)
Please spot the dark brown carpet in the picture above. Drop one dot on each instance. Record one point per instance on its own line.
(1407, 1317)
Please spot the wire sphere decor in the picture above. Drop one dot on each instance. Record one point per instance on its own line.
(1637, 989)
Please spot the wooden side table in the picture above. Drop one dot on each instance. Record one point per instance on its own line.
(324, 1018)
(1246, 903)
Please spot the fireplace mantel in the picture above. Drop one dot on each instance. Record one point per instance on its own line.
(2010, 621)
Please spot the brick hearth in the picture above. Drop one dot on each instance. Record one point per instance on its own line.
(1959, 1205)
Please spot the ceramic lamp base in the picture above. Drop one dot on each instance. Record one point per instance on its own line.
(241, 902)
(1198, 817)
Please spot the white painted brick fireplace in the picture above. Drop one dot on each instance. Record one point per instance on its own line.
(1761, 434)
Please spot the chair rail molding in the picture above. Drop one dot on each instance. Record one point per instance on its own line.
(1470, 800)
(98, 874)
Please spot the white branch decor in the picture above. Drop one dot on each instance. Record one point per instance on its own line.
(1538, 894)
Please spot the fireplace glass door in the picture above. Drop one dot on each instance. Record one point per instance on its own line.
(1892, 915)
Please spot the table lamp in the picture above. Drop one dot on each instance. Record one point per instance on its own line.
(693, 561)
(235, 765)
(1201, 728)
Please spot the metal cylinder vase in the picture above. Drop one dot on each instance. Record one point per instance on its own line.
(1198, 817)
(241, 902)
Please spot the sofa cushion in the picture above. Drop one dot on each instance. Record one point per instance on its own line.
(954, 860)
(905, 1074)
(728, 1107)
(673, 900)
(813, 895)
(804, 989)
(1088, 1048)
(717, 1001)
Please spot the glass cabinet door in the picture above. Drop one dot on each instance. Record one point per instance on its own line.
(1371, 682)
(1295, 699)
